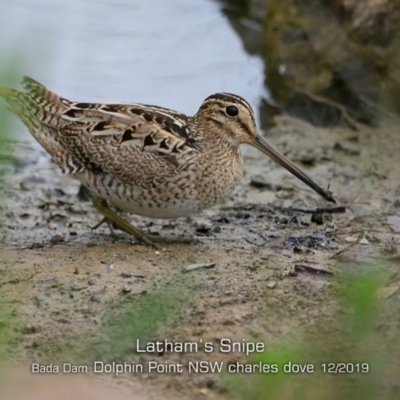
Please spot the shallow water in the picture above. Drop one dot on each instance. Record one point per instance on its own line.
(170, 53)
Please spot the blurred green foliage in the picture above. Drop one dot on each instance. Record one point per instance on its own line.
(10, 74)
(146, 318)
(356, 340)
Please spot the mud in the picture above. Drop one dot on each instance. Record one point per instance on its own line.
(62, 284)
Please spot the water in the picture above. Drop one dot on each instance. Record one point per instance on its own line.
(172, 53)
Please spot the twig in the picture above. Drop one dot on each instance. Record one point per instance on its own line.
(195, 267)
(307, 268)
(318, 210)
(341, 108)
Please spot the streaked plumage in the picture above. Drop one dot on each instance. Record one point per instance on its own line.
(147, 160)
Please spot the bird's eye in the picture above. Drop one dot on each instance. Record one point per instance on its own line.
(232, 111)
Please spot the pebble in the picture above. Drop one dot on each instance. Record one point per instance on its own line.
(270, 234)
(351, 239)
(57, 238)
(364, 241)
(299, 249)
(271, 285)
(259, 183)
(203, 225)
(388, 292)
(110, 267)
(95, 299)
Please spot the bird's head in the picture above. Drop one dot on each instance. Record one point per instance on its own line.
(231, 118)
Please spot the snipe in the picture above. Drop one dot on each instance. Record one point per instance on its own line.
(147, 160)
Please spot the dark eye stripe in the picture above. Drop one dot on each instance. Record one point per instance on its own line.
(245, 127)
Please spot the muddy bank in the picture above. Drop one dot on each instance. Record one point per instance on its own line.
(276, 270)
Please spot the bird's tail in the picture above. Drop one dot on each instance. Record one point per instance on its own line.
(39, 109)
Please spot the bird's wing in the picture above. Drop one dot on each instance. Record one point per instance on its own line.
(130, 141)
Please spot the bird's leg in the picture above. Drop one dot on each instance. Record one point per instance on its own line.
(93, 228)
(111, 217)
(109, 224)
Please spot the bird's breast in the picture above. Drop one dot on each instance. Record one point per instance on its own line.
(198, 184)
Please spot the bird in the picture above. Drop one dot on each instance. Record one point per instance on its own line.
(144, 159)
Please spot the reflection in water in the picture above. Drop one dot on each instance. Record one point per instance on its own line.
(172, 53)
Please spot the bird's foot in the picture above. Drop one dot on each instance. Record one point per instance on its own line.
(113, 219)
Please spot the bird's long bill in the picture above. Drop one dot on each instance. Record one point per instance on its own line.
(278, 157)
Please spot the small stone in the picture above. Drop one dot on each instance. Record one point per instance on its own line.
(270, 234)
(299, 249)
(308, 159)
(57, 238)
(59, 193)
(271, 285)
(259, 183)
(203, 225)
(36, 245)
(331, 245)
(351, 239)
(317, 219)
(110, 267)
(388, 292)
(216, 229)
(256, 240)
(95, 299)
(364, 241)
